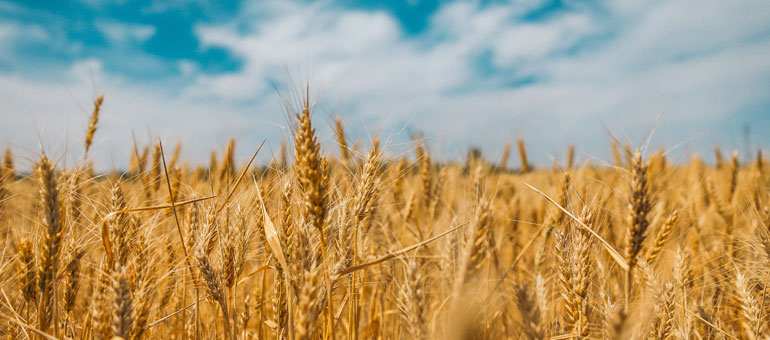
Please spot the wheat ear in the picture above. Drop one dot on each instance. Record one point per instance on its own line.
(94, 120)
(50, 244)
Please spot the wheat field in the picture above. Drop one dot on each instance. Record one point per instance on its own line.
(338, 243)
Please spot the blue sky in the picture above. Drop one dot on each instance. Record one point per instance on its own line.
(467, 73)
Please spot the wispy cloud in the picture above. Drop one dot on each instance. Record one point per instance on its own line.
(476, 75)
(15, 36)
(120, 33)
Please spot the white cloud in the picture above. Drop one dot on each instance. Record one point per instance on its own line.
(102, 3)
(187, 67)
(13, 35)
(121, 33)
(522, 43)
(164, 6)
(11, 32)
